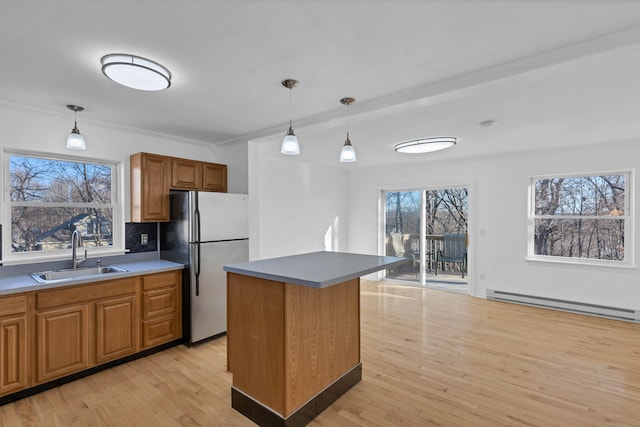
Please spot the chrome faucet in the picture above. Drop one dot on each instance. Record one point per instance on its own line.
(76, 242)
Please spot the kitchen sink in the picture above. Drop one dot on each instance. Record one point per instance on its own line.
(54, 276)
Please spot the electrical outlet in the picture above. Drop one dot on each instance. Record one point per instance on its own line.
(144, 239)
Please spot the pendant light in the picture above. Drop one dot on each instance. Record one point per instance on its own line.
(75, 140)
(347, 154)
(290, 145)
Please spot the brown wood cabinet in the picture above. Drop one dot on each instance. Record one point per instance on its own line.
(78, 327)
(194, 175)
(161, 308)
(153, 175)
(53, 333)
(62, 342)
(13, 343)
(150, 181)
(214, 177)
(186, 174)
(116, 328)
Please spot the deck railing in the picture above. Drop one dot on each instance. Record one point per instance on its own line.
(411, 244)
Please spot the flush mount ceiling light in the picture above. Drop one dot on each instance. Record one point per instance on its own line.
(135, 72)
(290, 145)
(426, 145)
(348, 153)
(75, 140)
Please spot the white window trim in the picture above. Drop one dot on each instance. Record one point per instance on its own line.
(629, 254)
(117, 248)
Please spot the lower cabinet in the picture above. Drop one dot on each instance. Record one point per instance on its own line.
(13, 344)
(161, 308)
(62, 346)
(53, 333)
(78, 327)
(116, 328)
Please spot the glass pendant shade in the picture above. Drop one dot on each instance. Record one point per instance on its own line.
(75, 140)
(136, 72)
(347, 154)
(290, 145)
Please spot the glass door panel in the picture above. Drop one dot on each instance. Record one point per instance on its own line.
(402, 232)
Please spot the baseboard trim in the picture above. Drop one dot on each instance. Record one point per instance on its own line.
(616, 313)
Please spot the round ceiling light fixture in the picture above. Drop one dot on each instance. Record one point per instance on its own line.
(426, 145)
(135, 72)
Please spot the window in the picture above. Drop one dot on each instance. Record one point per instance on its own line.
(47, 198)
(581, 218)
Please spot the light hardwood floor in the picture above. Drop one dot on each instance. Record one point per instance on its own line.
(429, 358)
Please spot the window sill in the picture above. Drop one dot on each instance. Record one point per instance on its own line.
(578, 262)
(40, 258)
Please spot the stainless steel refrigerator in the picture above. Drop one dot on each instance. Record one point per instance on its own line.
(206, 232)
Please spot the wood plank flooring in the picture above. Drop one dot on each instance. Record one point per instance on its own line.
(429, 358)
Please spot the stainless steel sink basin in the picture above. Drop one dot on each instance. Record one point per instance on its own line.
(54, 276)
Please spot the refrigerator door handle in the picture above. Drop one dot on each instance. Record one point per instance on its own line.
(196, 262)
(197, 254)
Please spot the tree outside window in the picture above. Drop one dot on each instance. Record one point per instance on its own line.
(49, 198)
(580, 217)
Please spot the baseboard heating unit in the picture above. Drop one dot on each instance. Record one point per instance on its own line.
(563, 305)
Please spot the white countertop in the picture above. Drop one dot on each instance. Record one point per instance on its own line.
(316, 269)
(25, 283)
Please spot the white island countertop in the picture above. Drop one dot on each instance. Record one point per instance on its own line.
(315, 269)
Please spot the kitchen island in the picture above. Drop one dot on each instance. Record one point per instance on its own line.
(293, 333)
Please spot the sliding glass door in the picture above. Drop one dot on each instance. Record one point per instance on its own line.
(428, 227)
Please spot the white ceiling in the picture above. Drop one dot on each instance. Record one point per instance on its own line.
(550, 73)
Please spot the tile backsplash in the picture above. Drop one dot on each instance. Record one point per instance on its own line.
(133, 236)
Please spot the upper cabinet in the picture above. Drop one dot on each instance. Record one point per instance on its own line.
(194, 175)
(150, 179)
(214, 177)
(152, 176)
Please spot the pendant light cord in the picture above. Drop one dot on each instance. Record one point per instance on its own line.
(290, 107)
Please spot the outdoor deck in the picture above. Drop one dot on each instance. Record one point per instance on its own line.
(448, 279)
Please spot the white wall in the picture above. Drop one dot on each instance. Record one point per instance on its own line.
(295, 207)
(498, 223)
(235, 157)
(42, 131)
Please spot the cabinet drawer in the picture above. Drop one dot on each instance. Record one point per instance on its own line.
(159, 331)
(160, 280)
(13, 305)
(159, 302)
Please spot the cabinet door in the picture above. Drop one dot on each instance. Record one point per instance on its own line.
(13, 353)
(116, 328)
(186, 174)
(62, 342)
(150, 177)
(214, 177)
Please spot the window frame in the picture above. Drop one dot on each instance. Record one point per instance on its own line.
(628, 218)
(117, 247)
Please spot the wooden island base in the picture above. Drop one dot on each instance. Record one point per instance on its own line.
(264, 416)
(293, 333)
